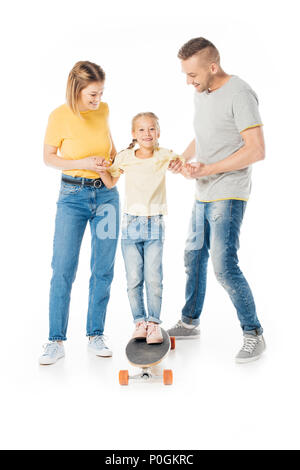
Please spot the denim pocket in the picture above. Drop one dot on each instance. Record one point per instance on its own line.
(244, 207)
(143, 228)
(67, 188)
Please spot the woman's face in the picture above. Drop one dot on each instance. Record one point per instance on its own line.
(146, 132)
(90, 96)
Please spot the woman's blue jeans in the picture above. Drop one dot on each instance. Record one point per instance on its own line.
(215, 226)
(76, 206)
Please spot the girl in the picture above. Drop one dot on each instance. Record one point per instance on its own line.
(143, 224)
(79, 130)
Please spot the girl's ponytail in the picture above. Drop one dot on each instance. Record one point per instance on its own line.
(132, 145)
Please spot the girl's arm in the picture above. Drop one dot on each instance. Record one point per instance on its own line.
(109, 180)
(52, 159)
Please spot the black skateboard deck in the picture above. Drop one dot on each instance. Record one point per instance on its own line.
(141, 354)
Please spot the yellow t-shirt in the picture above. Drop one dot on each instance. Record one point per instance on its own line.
(78, 137)
(145, 181)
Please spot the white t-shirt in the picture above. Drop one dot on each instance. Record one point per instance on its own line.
(145, 180)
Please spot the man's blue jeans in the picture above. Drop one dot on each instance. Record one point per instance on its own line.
(215, 226)
(76, 206)
(142, 249)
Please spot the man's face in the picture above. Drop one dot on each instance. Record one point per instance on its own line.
(198, 72)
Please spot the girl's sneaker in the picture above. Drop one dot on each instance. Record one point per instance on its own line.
(52, 352)
(140, 331)
(154, 334)
(97, 346)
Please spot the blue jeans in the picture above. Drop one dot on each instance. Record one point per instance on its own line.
(216, 226)
(76, 206)
(142, 249)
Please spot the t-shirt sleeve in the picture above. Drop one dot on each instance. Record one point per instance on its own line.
(173, 156)
(166, 155)
(245, 110)
(116, 167)
(53, 134)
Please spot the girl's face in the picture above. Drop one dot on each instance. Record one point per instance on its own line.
(146, 132)
(90, 96)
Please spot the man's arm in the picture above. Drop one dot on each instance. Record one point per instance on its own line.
(253, 151)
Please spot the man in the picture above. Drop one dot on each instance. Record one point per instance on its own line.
(229, 139)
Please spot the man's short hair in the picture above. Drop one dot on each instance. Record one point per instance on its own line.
(196, 45)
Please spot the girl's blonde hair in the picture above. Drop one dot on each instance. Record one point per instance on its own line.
(138, 116)
(82, 74)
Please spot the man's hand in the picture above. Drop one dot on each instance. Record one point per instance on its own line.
(195, 170)
(175, 165)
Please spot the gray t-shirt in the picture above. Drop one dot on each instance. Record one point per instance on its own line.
(219, 118)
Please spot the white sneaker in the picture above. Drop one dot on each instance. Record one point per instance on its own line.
(52, 352)
(97, 346)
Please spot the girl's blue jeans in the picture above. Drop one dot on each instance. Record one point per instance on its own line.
(142, 249)
(76, 206)
(215, 226)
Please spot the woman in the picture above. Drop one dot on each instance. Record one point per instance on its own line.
(79, 130)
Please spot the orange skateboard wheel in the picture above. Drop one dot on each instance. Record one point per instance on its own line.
(123, 377)
(168, 376)
(173, 342)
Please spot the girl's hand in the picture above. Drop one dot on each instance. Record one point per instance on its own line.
(101, 169)
(175, 165)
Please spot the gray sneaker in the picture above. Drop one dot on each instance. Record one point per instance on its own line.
(252, 349)
(180, 331)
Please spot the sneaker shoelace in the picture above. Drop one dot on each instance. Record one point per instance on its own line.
(141, 324)
(249, 344)
(153, 328)
(50, 348)
(99, 341)
(178, 324)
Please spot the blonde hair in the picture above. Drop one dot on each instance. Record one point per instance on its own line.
(138, 116)
(82, 74)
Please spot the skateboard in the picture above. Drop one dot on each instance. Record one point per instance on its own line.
(146, 356)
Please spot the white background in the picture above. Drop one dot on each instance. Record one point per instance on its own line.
(214, 403)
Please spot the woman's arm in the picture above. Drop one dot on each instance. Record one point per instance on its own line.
(52, 159)
(113, 151)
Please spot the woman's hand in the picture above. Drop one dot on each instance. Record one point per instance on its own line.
(102, 168)
(92, 163)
